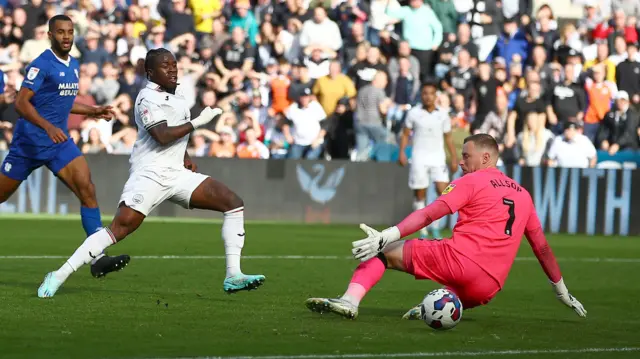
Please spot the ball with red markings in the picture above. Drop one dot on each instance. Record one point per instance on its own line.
(441, 309)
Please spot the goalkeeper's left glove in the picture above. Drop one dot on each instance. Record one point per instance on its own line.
(375, 242)
(565, 297)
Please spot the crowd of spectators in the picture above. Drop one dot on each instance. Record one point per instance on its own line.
(335, 78)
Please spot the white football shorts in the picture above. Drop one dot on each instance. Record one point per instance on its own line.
(146, 189)
(421, 176)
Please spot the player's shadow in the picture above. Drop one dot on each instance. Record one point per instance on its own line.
(33, 287)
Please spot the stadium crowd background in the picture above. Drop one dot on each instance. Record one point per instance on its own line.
(335, 78)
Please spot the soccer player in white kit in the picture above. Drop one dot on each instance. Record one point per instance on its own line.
(161, 170)
(431, 130)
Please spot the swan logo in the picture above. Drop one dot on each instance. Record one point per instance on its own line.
(320, 193)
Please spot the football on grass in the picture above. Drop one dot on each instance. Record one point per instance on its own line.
(441, 309)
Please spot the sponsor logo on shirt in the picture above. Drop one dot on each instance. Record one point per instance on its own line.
(449, 188)
(33, 72)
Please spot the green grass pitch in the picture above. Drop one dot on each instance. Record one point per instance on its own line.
(169, 307)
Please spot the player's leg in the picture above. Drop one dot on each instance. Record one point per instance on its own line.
(125, 222)
(140, 196)
(13, 171)
(364, 278)
(199, 191)
(73, 170)
(419, 182)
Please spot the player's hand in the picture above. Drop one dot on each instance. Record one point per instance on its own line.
(56, 135)
(207, 115)
(369, 247)
(453, 166)
(562, 293)
(105, 112)
(402, 159)
(375, 242)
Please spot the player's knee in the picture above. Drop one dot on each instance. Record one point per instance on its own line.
(393, 256)
(234, 201)
(87, 194)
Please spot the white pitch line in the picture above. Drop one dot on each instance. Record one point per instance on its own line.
(432, 354)
(302, 257)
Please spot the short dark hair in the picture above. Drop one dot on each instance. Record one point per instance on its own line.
(56, 18)
(429, 81)
(484, 141)
(152, 57)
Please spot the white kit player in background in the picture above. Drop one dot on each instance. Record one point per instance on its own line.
(162, 170)
(431, 130)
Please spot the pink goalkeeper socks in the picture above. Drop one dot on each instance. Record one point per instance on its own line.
(364, 278)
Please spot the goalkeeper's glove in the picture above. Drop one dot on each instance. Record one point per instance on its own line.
(565, 297)
(375, 242)
(207, 115)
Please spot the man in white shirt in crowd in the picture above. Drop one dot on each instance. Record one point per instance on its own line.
(572, 149)
(431, 128)
(304, 131)
(162, 170)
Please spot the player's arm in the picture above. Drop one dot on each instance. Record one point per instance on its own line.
(542, 250)
(27, 111)
(86, 110)
(404, 142)
(153, 119)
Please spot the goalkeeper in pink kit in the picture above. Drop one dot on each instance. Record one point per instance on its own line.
(494, 212)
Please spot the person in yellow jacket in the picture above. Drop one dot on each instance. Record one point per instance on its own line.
(204, 11)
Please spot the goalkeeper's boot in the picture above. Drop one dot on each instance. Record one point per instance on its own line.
(333, 305)
(49, 286)
(242, 282)
(414, 313)
(108, 264)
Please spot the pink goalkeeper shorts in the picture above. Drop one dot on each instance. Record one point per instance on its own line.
(437, 261)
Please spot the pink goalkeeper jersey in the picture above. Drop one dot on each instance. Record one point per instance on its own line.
(493, 212)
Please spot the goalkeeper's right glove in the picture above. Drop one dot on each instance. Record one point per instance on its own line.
(207, 115)
(565, 297)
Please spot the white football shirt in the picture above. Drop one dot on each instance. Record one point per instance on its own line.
(152, 108)
(428, 131)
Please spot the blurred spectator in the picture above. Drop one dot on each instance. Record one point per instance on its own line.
(460, 78)
(567, 102)
(528, 102)
(331, 88)
(533, 142)
(422, 30)
(485, 91)
(572, 149)
(178, 21)
(463, 41)
(84, 97)
(628, 74)
(204, 11)
(619, 129)
(236, 54)
(600, 94)
(379, 20)
(483, 17)
(305, 133)
(226, 146)
(339, 126)
(512, 43)
(362, 72)
(404, 51)
(244, 19)
(252, 148)
(404, 92)
(602, 57)
(372, 105)
(94, 143)
(320, 33)
(495, 123)
(445, 12)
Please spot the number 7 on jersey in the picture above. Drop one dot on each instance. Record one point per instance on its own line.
(512, 214)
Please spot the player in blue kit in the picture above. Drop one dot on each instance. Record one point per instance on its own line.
(41, 137)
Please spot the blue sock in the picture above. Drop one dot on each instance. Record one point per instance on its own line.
(91, 221)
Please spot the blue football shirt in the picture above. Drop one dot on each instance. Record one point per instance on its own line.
(1, 82)
(55, 84)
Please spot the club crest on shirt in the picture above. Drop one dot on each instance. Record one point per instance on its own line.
(33, 72)
(146, 117)
(449, 188)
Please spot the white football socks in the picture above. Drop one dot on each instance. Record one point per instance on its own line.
(418, 205)
(233, 237)
(91, 248)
